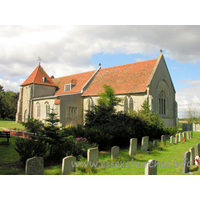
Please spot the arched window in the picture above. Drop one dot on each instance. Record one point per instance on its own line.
(38, 110)
(47, 109)
(131, 104)
(89, 104)
(162, 103)
(25, 115)
(126, 105)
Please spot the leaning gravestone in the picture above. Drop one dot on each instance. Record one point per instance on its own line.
(180, 137)
(176, 139)
(145, 143)
(93, 155)
(163, 139)
(34, 166)
(192, 156)
(133, 147)
(171, 139)
(68, 164)
(155, 143)
(186, 162)
(151, 168)
(114, 152)
(197, 149)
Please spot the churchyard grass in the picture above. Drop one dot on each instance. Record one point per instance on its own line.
(11, 125)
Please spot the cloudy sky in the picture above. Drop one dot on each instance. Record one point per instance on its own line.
(66, 50)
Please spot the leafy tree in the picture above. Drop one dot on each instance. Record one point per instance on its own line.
(192, 115)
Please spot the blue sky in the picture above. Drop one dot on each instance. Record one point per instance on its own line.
(66, 50)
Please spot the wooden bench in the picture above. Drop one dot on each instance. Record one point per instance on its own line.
(5, 134)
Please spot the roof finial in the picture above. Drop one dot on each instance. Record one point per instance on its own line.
(160, 50)
(39, 60)
(99, 65)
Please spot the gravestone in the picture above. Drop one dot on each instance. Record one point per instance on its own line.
(151, 168)
(145, 143)
(114, 152)
(133, 147)
(93, 155)
(184, 135)
(171, 139)
(163, 139)
(197, 149)
(176, 139)
(192, 156)
(68, 164)
(191, 134)
(155, 143)
(180, 137)
(188, 135)
(34, 166)
(186, 162)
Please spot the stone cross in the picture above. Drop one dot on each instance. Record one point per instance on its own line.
(34, 166)
(133, 147)
(93, 155)
(151, 168)
(171, 139)
(186, 162)
(114, 152)
(68, 164)
(192, 156)
(145, 143)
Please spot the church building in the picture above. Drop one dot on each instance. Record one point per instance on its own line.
(70, 96)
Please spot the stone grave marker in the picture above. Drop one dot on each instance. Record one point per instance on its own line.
(176, 139)
(93, 155)
(145, 143)
(191, 134)
(188, 135)
(34, 166)
(151, 168)
(186, 162)
(114, 152)
(163, 139)
(133, 147)
(180, 137)
(184, 135)
(155, 143)
(172, 140)
(192, 156)
(197, 149)
(68, 164)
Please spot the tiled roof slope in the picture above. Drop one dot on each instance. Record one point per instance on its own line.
(36, 77)
(129, 78)
(78, 79)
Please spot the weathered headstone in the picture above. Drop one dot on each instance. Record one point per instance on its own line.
(192, 156)
(186, 162)
(197, 149)
(155, 143)
(133, 147)
(184, 135)
(145, 143)
(114, 152)
(180, 137)
(68, 164)
(34, 166)
(151, 168)
(191, 134)
(172, 140)
(93, 155)
(163, 139)
(188, 135)
(176, 139)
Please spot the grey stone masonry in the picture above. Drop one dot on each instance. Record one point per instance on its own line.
(186, 162)
(192, 156)
(114, 152)
(197, 149)
(145, 143)
(176, 139)
(172, 140)
(133, 147)
(93, 155)
(163, 139)
(151, 168)
(180, 137)
(68, 164)
(34, 166)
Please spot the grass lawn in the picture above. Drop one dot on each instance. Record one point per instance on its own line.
(10, 125)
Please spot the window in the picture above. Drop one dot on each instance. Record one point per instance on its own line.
(162, 103)
(131, 104)
(72, 112)
(47, 109)
(89, 104)
(128, 104)
(25, 115)
(38, 110)
(68, 87)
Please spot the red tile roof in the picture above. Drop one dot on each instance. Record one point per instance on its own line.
(129, 78)
(57, 101)
(78, 79)
(36, 77)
